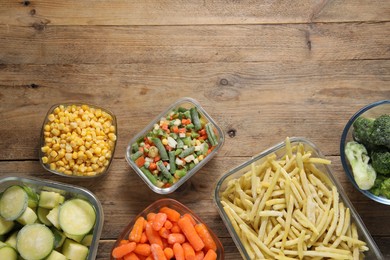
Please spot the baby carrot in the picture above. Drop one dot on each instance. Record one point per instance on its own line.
(172, 214)
(136, 232)
(187, 215)
(175, 228)
(189, 252)
(168, 253)
(168, 224)
(157, 252)
(178, 251)
(144, 238)
(123, 250)
(206, 237)
(150, 216)
(199, 255)
(164, 232)
(190, 233)
(142, 249)
(176, 238)
(152, 235)
(159, 221)
(210, 255)
(131, 256)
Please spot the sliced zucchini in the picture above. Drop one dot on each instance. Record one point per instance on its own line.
(42, 216)
(76, 238)
(59, 237)
(5, 226)
(7, 252)
(77, 217)
(28, 217)
(35, 242)
(75, 251)
(55, 255)
(11, 240)
(32, 197)
(87, 240)
(13, 202)
(50, 199)
(53, 217)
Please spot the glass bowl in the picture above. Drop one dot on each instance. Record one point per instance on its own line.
(372, 110)
(279, 150)
(173, 204)
(69, 192)
(78, 140)
(133, 149)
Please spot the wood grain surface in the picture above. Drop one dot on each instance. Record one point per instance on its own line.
(264, 70)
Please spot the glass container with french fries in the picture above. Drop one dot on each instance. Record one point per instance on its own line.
(285, 204)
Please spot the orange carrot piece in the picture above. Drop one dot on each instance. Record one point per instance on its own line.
(176, 238)
(157, 158)
(153, 235)
(144, 238)
(175, 129)
(168, 253)
(131, 256)
(187, 215)
(123, 250)
(189, 252)
(138, 228)
(164, 232)
(159, 221)
(150, 216)
(168, 224)
(149, 257)
(178, 252)
(175, 228)
(142, 249)
(157, 252)
(172, 214)
(123, 241)
(140, 161)
(199, 255)
(152, 166)
(190, 233)
(206, 237)
(210, 255)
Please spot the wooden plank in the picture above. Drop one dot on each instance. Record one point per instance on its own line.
(119, 188)
(248, 100)
(156, 12)
(190, 44)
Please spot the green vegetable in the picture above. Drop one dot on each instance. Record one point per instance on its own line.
(380, 160)
(195, 118)
(363, 172)
(149, 175)
(161, 149)
(381, 187)
(362, 129)
(380, 134)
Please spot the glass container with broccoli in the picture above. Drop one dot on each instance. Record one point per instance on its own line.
(369, 154)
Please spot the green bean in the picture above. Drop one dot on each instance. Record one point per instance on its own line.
(172, 163)
(178, 151)
(149, 175)
(195, 118)
(180, 173)
(180, 143)
(136, 155)
(164, 170)
(187, 152)
(161, 149)
(210, 134)
(134, 147)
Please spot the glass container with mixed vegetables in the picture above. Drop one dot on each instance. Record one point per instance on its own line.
(175, 145)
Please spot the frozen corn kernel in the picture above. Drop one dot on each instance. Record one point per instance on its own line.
(78, 140)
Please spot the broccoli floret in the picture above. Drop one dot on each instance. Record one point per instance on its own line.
(362, 129)
(381, 187)
(380, 132)
(363, 172)
(380, 160)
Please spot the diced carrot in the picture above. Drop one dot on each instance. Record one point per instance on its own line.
(206, 237)
(186, 121)
(138, 228)
(199, 255)
(150, 216)
(141, 149)
(142, 249)
(189, 231)
(152, 166)
(144, 238)
(164, 126)
(176, 238)
(164, 232)
(157, 252)
(140, 161)
(172, 214)
(168, 224)
(159, 221)
(175, 228)
(182, 130)
(202, 131)
(175, 129)
(123, 250)
(131, 256)
(189, 252)
(157, 158)
(178, 252)
(153, 235)
(168, 252)
(210, 255)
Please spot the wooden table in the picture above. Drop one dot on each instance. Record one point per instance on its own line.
(264, 70)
